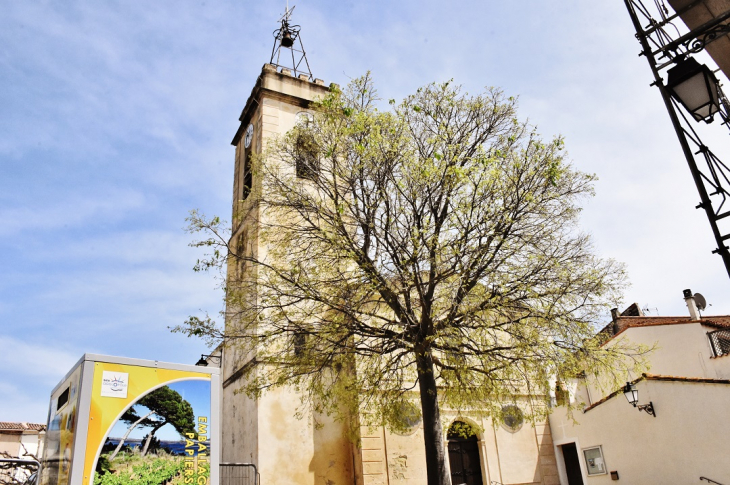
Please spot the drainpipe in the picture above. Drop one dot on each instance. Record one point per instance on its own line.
(694, 314)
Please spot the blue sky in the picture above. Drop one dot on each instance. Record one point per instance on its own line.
(196, 392)
(117, 119)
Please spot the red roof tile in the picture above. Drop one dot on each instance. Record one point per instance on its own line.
(623, 323)
(8, 426)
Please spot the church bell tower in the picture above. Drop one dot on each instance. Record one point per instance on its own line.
(265, 431)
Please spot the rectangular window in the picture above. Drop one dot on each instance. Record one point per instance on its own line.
(247, 176)
(62, 399)
(594, 461)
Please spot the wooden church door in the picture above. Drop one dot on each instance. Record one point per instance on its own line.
(466, 468)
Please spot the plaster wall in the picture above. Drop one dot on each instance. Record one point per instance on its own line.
(239, 433)
(719, 366)
(679, 350)
(10, 444)
(313, 449)
(518, 455)
(685, 441)
(32, 443)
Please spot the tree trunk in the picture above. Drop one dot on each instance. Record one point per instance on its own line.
(129, 430)
(432, 431)
(149, 437)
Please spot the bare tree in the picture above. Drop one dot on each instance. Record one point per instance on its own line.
(433, 247)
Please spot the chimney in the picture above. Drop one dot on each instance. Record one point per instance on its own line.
(694, 314)
(614, 319)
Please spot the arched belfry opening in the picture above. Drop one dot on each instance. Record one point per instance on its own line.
(464, 460)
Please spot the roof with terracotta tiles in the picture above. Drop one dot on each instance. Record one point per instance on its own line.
(623, 322)
(8, 426)
(36, 426)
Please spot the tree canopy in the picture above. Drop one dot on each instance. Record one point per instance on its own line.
(170, 408)
(427, 253)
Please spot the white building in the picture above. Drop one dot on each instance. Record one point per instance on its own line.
(21, 440)
(682, 436)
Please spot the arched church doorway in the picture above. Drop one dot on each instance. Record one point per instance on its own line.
(466, 467)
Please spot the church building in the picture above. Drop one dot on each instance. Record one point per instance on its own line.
(290, 449)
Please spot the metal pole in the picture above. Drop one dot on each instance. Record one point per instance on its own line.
(705, 202)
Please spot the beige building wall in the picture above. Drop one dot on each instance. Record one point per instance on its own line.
(10, 444)
(21, 440)
(689, 389)
(686, 440)
(522, 457)
(266, 432)
(680, 349)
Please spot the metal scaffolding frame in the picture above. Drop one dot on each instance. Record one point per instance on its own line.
(664, 46)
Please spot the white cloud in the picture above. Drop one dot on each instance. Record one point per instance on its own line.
(34, 362)
(118, 118)
(74, 211)
(23, 404)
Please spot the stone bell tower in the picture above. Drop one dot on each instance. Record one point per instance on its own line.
(265, 431)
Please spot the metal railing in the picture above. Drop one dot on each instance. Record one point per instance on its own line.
(720, 342)
(239, 474)
(16, 471)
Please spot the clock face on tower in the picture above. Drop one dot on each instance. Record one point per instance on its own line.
(249, 136)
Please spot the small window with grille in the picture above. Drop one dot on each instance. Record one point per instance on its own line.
(720, 342)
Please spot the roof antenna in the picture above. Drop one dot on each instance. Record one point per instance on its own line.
(649, 310)
(701, 302)
(286, 37)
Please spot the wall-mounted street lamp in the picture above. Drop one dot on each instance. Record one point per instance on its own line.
(204, 360)
(696, 87)
(632, 395)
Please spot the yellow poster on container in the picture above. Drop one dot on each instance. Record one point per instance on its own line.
(148, 425)
(62, 424)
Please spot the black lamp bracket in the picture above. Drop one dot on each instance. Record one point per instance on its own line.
(649, 408)
(697, 39)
